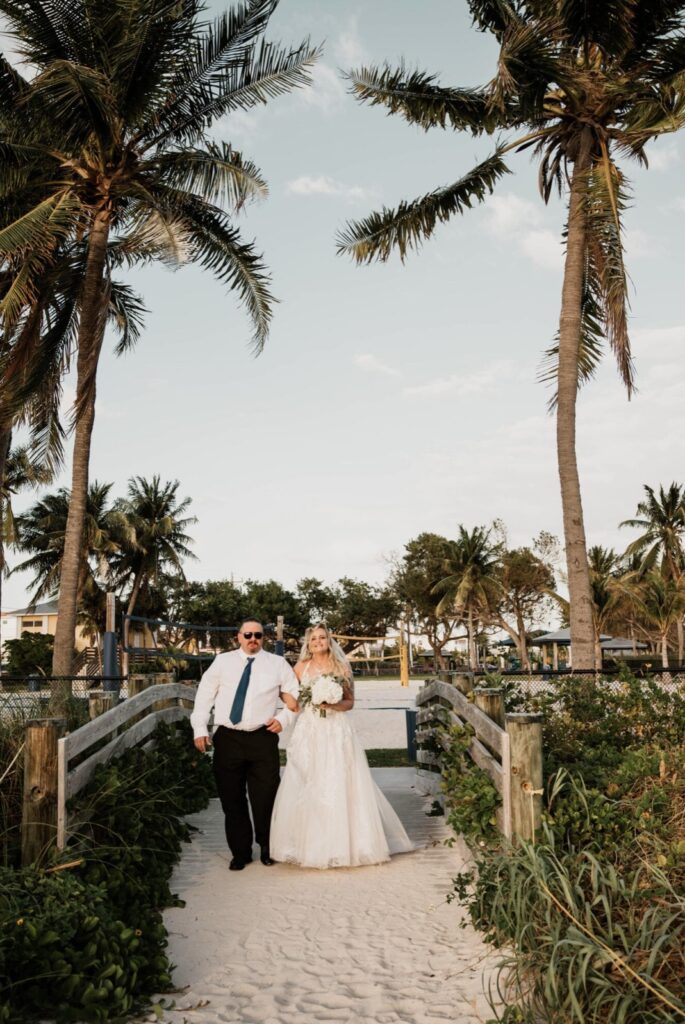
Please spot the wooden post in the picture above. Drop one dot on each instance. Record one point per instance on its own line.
(525, 738)
(39, 809)
(491, 701)
(110, 612)
(463, 682)
(100, 701)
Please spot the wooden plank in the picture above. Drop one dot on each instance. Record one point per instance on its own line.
(78, 777)
(485, 728)
(427, 757)
(83, 738)
(61, 794)
(506, 787)
(484, 759)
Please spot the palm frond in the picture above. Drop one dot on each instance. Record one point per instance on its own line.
(407, 227)
(80, 100)
(127, 312)
(416, 96)
(217, 173)
(262, 76)
(41, 227)
(606, 200)
(216, 245)
(494, 16)
(41, 30)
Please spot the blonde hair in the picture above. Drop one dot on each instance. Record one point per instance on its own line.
(337, 662)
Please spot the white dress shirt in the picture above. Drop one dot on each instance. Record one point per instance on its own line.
(270, 675)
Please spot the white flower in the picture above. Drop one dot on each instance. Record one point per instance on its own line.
(326, 690)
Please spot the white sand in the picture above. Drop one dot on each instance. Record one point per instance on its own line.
(283, 945)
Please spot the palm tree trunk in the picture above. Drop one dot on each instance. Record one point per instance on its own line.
(473, 655)
(664, 650)
(5, 444)
(681, 640)
(137, 583)
(91, 334)
(580, 612)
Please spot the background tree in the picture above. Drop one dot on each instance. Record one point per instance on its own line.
(18, 471)
(41, 534)
(661, 520)
(414, 579)
(362, 610)
(663, 602)
(582, 83)
(470, 587)
(159, 543)
(114, 140)
(526, 582)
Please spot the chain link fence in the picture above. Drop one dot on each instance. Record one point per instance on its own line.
(533, 684)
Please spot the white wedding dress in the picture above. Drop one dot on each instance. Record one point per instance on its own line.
(329, 813)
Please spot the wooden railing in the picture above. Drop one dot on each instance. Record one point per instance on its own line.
(507, 747)
(51, 778)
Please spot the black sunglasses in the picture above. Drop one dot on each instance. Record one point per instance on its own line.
(257, 635)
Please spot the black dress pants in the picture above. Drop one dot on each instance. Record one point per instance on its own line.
(246, 764)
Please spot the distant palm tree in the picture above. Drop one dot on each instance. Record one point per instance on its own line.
(583, 83)
(18, 471)
(160, 543)
(471, 586)
(109, 138)
(614, 593)
(41, 534)
(663, 603)
(661, 544)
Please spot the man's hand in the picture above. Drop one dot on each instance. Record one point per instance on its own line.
(202, 743)
(273, 725)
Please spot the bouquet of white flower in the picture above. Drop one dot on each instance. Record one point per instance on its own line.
(322, 690)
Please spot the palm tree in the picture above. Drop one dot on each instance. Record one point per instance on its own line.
(160, 542)
(661, 518)
(582, 83)
(42, 534)
(614, 592)
(18, 470)
(663, 604)
(471, 586)
(110, 140)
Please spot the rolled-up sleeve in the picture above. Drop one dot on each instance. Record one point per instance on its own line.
(287, 683)
(204, 699)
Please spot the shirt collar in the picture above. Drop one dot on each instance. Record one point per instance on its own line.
(244, 656)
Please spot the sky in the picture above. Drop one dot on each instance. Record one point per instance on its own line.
(390, 399)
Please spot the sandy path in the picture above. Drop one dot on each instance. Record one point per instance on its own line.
(282, 945)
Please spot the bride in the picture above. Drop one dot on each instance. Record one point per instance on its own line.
(329, 812)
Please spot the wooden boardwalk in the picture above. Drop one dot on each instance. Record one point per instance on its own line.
(282, 945)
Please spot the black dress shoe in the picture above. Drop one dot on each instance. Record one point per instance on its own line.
(237, 864)
(265, 858)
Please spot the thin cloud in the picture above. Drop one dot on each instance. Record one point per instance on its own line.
(662, 155)
(518, 222)
(373, 364)
(463, 383)
(348, 47)
(323, 185)
(327, 91)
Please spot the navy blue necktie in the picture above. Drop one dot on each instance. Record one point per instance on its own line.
(236, 714)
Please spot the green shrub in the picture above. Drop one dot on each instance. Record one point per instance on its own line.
(90, 944)
(471, 800)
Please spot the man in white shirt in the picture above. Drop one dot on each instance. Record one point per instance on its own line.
(243, 687)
